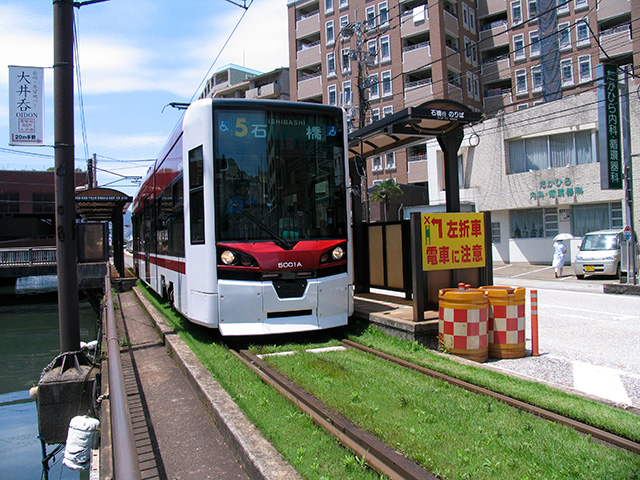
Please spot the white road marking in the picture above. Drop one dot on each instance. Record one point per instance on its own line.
(599, 381)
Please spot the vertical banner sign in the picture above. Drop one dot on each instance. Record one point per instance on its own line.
(26, 98)
(609, 129)
(452, 241)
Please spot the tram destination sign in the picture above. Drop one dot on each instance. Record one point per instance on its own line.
(609, 128)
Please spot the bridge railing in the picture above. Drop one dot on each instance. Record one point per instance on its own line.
(13, 257)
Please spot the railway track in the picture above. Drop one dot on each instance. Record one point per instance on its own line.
(379, 456)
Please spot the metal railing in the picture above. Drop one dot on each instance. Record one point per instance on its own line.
(126, 465)
(15, 257)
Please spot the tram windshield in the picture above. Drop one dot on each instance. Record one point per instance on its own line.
(279, 174)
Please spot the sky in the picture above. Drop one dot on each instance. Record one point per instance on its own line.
(135, 57)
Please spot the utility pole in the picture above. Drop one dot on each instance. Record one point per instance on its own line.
(628, 178)
(68, 304)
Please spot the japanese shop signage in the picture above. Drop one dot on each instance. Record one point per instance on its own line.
(556, 188)
(609, 128)
(26, 97)
(452, 241)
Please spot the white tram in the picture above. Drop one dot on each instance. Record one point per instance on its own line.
(243, 220)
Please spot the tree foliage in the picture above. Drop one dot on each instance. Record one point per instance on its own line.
(385, 192)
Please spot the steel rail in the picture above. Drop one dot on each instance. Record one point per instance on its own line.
(126, 465)
(379, 456)
(594, 432)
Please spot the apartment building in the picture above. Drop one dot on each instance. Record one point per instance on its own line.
(233, 81)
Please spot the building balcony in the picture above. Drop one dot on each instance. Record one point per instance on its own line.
(414, 22)
(416, 93)
(454, 92)
(309, 87)
(496, 36)
(451, 23)
(453, 58)
(308, 25)
(418, 171)
(495, 100)
(612, 8)
(416, 56)
(616, 42)
(491, 7)
(270, 90)
(493, 71)
(310, 55)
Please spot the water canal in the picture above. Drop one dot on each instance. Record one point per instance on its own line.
(29, 341)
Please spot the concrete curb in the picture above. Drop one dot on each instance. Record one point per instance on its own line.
(257, 456)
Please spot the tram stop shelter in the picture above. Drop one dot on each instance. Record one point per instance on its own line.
(98, 206)
(445, 120)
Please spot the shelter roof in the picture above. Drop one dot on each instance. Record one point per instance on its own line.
(101, 204)
(410, 125)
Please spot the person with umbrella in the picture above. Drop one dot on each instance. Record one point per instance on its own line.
(559, 251)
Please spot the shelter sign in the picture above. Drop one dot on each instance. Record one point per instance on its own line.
(452, 241)
(26, 98)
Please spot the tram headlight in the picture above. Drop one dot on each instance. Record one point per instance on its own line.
(228, 257)
(337, 253)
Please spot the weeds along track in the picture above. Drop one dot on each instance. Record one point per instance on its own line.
(379, 456)
(584, 428)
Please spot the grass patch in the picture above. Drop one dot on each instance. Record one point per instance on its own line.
(450, 431)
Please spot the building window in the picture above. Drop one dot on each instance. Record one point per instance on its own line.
(579, 4)
(346, 61)
(527, 223)
(370, 15)
(465, 15)
(533, 9)
(390, 161)
(387, 88)
(329, 32)
(469, 85)
(472, 20)
(566, 71)
(495, 232)
(518, 48)
(534, 43)
(563, 6)
(595, 216)
(584, 68)
(347, 97)
(331, 64)
(9, 202)
(522, 106)
(376, 164)
(521, 82)
(536, 78)
(550, 222)
(332, 91)
(582, 33)
(552, 151)
(344, 4)
(516, 12)
(375, 115)
(385, 49)
(372, 48)
(564, 36)
(328, 6)
(374, 90)
(386, 111)
(344, 21)
(383, 14)
(43, 202)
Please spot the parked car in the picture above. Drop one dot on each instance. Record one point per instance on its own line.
(599, 254)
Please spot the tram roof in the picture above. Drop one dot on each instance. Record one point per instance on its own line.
(410, 125)
(101, 204)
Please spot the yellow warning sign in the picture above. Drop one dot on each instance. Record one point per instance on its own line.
(452, 241)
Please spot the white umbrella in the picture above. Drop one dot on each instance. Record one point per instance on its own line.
(563, 236)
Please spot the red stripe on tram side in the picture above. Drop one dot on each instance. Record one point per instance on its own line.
(169, 263)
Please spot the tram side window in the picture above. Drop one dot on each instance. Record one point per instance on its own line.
(196, 196)
(176, 220)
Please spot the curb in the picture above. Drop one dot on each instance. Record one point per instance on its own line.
(260, 459)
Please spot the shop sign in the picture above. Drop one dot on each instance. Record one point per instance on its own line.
(556, 188)
(453, 241)
(609, 128)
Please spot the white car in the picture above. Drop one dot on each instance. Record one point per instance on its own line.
(599, 254)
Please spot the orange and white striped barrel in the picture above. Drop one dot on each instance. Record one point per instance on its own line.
(462, 325)
(507, 321)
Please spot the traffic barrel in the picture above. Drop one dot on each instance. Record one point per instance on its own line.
(462, 324)
(507, 321)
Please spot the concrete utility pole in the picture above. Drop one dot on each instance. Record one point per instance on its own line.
(68, 303)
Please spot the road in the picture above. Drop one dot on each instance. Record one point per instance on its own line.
(588, 340)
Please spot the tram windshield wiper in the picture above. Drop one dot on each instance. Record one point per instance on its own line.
(280, 241)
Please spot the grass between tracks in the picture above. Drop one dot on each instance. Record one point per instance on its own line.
(449, 431)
